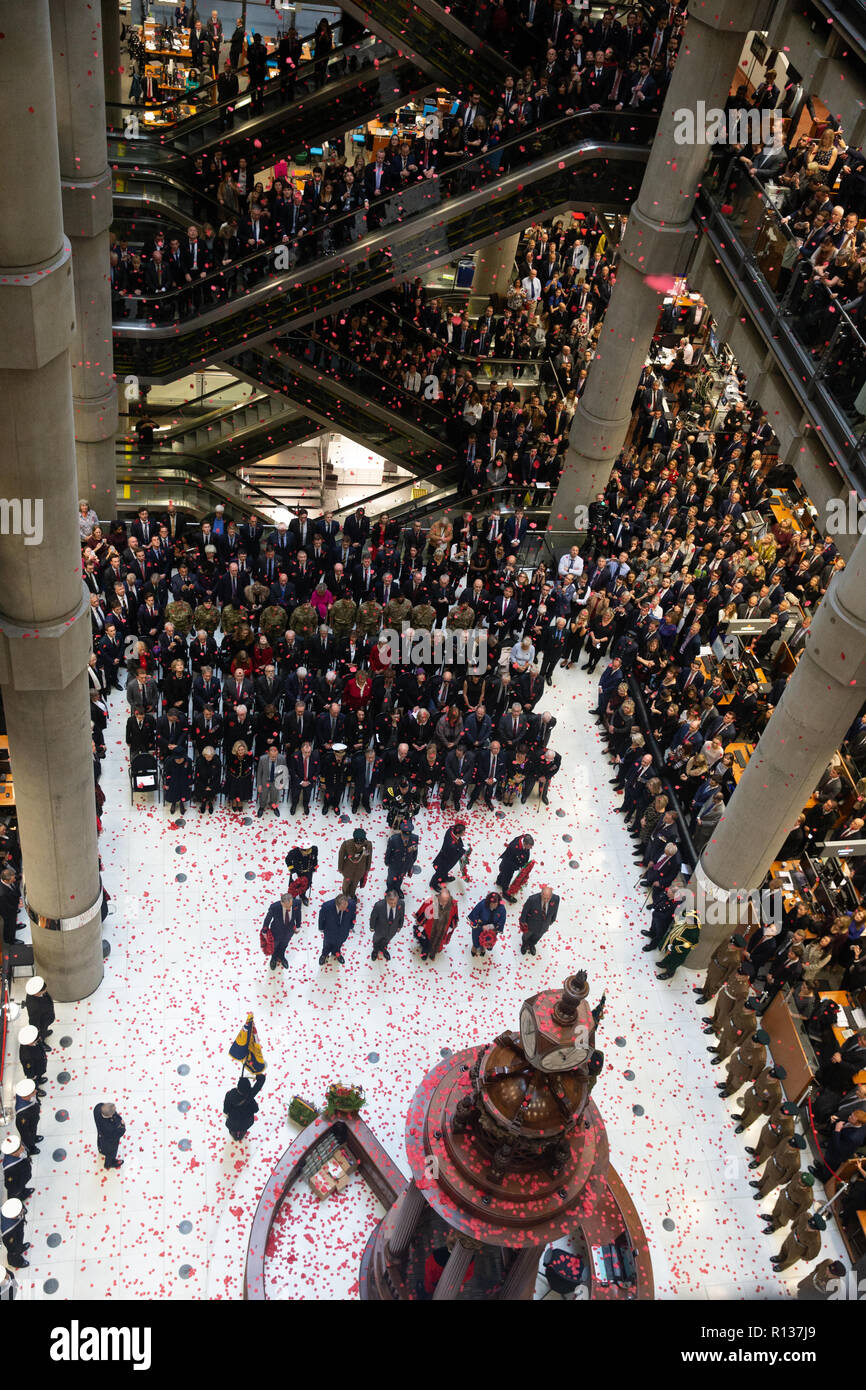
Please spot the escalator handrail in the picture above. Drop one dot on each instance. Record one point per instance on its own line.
(180, 457)
(412, 402)
(362, 246)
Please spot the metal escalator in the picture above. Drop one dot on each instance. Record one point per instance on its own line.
(241, 431)
(438, 42)
(346, 409)
(161, 136)
(591, 159)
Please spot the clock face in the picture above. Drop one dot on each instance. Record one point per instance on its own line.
(528, 1031)
(564, 1058)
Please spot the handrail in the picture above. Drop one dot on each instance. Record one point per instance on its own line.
(390, 312)
(452, 181)
(176, 458)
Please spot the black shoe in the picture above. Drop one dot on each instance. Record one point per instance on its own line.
(374, 955)
(706, 1019)
(754, 1184)
(755, 1163)
(645, 933)
(172, 808)
(22, 1264)
(648, 948)
(716, 1061)
(387, 955)
(668, 975)
(712, 1049)
(707, 1031)
(260, 813)
(341, 958)
(276, 810)
(322, 960)
(749, 1150)
(738, 1129)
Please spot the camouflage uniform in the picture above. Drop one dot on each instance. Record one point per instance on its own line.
(342, 617)
(369, 619)
(423, 616)
(305, 620)
(398, 611)
(273, 622)
(180, 614)
(207, 619)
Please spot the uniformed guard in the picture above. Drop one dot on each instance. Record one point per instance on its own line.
(776, 1129)
(782, 1165)
(17, 1169)
(795, 1198)
(12, 1233)
(354, 860)
(724, 962)
(734, 991)
(803, 1242)
(401, 852)
(303, 862)
(40, 1008)
(822, 1283)
(762, 1098)
(32, 1054)
(746, 1062)
(742, 1024)
(27, 1110)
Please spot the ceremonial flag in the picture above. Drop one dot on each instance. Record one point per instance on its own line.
(247, 1049)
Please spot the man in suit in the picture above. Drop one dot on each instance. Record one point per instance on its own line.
(282, 920)
(366, 771)
(378, 183)
(336, 921)
(665, 869)
(491, 766)
(536, 917)
(386, 919)
(305, 776)
(272, 776)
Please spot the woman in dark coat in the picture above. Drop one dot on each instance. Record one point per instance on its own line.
(240, 1108)
(239, 775)
(178, 776)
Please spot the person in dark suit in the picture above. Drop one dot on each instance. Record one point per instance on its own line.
(110, 1129)
(537, 915)
(366, 773)
(336, 921)
(304, 773)
(514, 857)
(257, 71)
(378, 183)
(386, 919)
(665, 869)
(491, 765)
(401, 852)
(240, 1107)
(283, 919)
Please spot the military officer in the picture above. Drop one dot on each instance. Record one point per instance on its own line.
(803, 1242)
(27, 1114)
(795, 1198)
(303, 862)
(734, 991)
(33, 1057)
(822, 1283)
(12, 1233)
(782, 1165)
(776, 1129)
(17, 1169)
(746, 1062)
(762, 1098)
(741, 1025)
(401, 852)
(354, 860)
(40, 1008)
(724, 962)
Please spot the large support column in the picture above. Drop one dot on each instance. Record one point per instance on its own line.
(657, 243)
(411, 1208)
(519, 1282)
(44, 618)
(111, 62)
(494, 266)
(76, 41)
(454, 1272)
(822, 698)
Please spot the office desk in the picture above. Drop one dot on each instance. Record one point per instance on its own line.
(742, 753)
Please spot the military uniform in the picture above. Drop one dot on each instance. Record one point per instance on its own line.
(761, 1099)
(17, 1172)
(742, 1024)
(423, 616)
(353, 863)
(400, 858)
(782, 1165)
(794, 1199)
(180, 614)
(369, 619)
(34, 1061)
(463, 617)
(724, 962)
(746, 1063)
(40, 1010)
(12, 1234)
(342, 617)
(820, 1283)
(683, 935)
(334, 778)
(734, 991)
(302, 863)
(803, 1242)
(775, 1131)
(27, 1110)
(207, 619)
(398, 611)
(305, 620)
(273, 622)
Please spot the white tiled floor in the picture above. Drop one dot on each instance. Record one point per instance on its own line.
(185, 966)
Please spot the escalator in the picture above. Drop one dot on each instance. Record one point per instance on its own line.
(346, 408)
(591, 159)
(438, 42)
(239, 432)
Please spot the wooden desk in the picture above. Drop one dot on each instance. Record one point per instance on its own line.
(786, 1048)
(785, 516)
(742, 753)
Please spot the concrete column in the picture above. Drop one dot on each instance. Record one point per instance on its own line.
(76, 40)
(494, 266)
(519, 1282)
(44, 618)
(411, 1208)
(454, 1273)
(111, 62)
(656, 246)
(823, 695)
